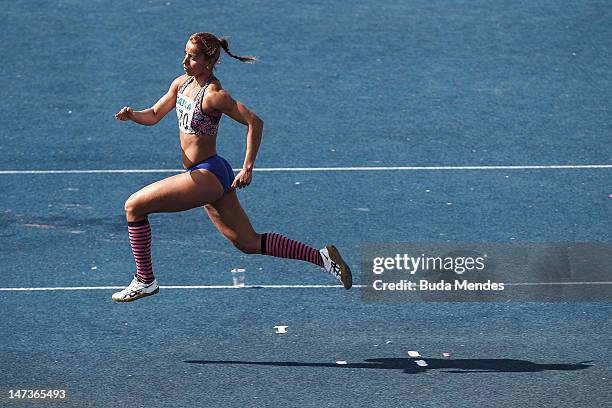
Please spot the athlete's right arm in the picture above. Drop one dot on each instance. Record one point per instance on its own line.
(154, 114)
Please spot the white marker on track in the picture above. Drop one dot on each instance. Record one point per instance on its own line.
(281, 329)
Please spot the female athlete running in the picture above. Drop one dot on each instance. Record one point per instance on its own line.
(208, 180)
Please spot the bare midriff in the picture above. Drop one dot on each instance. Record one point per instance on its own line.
(197, 148)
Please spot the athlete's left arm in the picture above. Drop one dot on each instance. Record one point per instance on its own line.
(223, 102)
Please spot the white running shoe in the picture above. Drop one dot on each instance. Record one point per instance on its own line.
(335, 265)
(136, 290)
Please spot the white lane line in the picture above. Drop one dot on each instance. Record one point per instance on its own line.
(74, 288)
(314, 169)
(417, 168)
(556, 283)
(95, 171)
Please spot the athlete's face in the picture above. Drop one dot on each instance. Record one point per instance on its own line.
(194, 62)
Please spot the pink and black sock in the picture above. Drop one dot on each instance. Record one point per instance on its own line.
(140, 240)
(282, 247)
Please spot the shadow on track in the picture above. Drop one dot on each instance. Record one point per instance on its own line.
(408, 365)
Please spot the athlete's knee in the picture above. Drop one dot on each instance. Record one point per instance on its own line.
(135, 206)
(248, 245)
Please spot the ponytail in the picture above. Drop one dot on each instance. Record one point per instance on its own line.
(245, 58)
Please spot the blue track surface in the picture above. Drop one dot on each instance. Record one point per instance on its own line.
(373, 83)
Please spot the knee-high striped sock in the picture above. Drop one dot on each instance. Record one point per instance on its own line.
(282, 247)
(140, 240)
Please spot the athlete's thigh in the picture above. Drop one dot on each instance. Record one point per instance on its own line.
(230, 219)
(181, 192)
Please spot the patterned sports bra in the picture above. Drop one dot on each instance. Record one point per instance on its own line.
(191, 119)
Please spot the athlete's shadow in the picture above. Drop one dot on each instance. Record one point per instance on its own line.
(409, 365)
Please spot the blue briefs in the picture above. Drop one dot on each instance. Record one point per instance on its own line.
(218, 166)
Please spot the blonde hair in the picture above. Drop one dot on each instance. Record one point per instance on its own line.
(209, 45)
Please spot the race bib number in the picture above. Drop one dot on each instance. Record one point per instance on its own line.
(184, 112)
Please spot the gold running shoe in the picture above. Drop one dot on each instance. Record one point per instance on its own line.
(335, 265)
